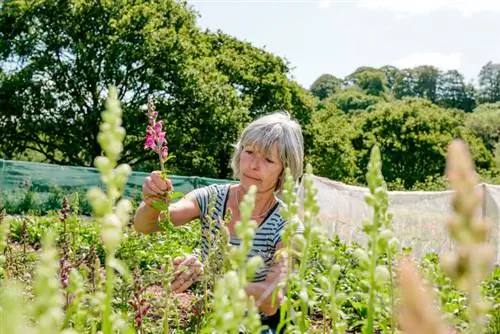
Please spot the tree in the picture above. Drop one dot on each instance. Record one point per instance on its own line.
(67, 53)
(259, 77)
(371, 80)
(489, 83)
(453, 92)
(427, 77)
(405, 84)
(413, 135)
(61, 56)
(485, 123)
(331, 153)
(325, 86)
(391, 73)
(352, 99)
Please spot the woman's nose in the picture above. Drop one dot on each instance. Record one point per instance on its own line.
(254, 162)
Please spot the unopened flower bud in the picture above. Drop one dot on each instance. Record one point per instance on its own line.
(99, 201)
(381, 274)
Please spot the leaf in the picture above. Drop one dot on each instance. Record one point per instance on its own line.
(120, 267)
(176, 194)
(159, 205)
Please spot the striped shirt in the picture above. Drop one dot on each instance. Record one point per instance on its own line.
(267, 235)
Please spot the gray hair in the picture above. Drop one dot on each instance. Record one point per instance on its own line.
(267, 130)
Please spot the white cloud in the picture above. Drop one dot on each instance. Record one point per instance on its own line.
(416, 7)
(450, 61)
(324, 3)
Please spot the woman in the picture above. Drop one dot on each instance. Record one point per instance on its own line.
(266, 148)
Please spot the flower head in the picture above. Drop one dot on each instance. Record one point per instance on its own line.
(155, 138)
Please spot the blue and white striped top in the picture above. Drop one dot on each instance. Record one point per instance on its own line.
(267, 235)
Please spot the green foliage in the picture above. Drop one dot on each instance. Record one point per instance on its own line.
(353, 99)
(489, 83)
(325, 86)
(453, 92)
(331, 153)
(413, 130)
(207, 84)
(406, 131)
(485, 123)
(370, 80)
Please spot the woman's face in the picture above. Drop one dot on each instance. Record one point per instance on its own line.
(260, 169)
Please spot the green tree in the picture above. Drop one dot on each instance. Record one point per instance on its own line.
(453, 92)
(61, 56)
(391, 73)
(352, 99)
(325, 86)
(371, 80)
(489, 83)
(67, 53)
(427, 77)
(405, 84)
(413, 135)
(331, 152)
(485, 123)
(259, 77)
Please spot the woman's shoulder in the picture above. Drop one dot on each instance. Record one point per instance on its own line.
(215, 188)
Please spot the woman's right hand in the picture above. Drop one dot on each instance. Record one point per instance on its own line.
(155, 188)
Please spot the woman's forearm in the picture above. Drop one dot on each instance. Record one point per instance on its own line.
(146, 219)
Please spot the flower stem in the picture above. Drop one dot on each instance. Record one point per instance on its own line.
(106, 321)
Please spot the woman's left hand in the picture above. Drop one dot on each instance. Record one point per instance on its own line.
(187, 270)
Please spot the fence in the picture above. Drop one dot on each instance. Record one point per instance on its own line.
(47, 183)
(418, 221)
(418, 216)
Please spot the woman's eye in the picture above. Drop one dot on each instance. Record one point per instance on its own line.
(269, 160)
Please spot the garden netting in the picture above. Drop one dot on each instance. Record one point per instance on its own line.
(418, 221)
(40, 186)
(418, 216)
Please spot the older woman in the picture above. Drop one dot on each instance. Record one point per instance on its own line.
(266, 148)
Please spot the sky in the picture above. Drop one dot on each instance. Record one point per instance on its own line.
(338, 36)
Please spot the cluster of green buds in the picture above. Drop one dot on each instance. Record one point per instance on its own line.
(473, 258)
(381, 239)
(232, 308)
(49, 298)
(111, 211)
(112, 214)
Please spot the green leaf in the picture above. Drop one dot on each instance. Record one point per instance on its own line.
(176, 194)
(120, 267)
(159, 205)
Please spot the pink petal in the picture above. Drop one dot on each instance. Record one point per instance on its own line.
(158, 126)
(161, 137)
(164, 153)
(150, 142)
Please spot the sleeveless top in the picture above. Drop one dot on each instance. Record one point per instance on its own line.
(267, 235)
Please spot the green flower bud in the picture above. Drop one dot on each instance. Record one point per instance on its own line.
(381, 274)
(324, 283)
(340, 298)
(123, 171)
(123, 209)
(103, 164)
(100, 203)
(362, 257)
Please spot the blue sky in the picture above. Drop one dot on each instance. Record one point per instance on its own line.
(337, 36)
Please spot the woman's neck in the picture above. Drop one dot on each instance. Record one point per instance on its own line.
(263, 200)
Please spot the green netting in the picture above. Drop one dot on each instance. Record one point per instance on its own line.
(41, 186)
